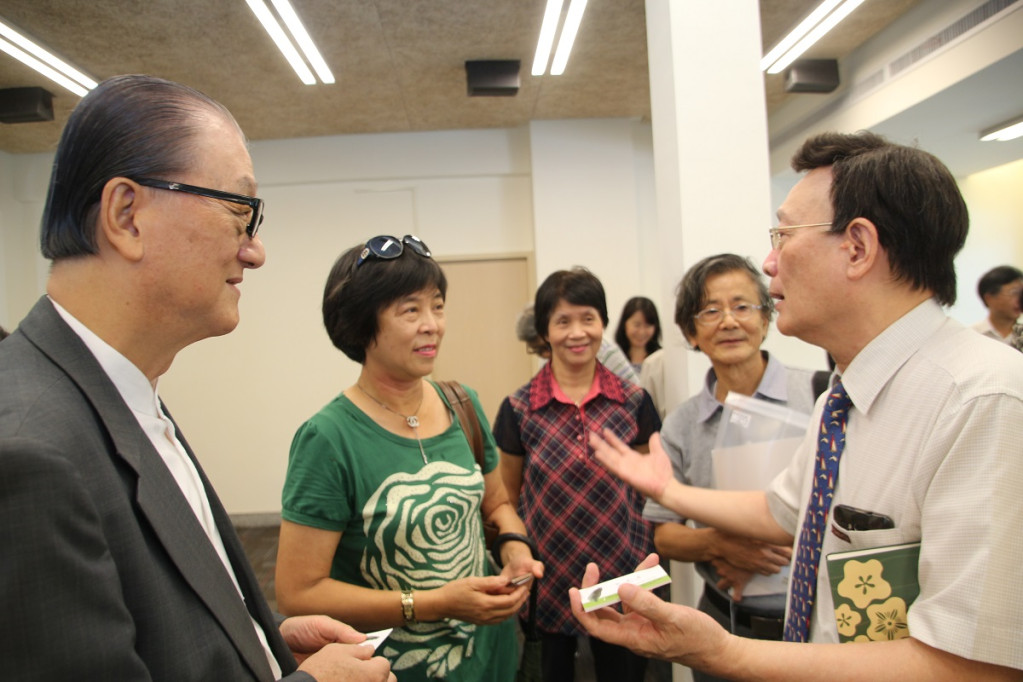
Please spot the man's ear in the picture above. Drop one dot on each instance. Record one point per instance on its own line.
(116, 221)
(862, 246)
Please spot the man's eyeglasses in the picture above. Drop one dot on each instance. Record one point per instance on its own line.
(740, 312)
(776, 232)
(385, 247)
(255, 220)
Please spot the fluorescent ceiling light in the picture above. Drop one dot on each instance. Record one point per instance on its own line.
(36, 57)
(305, 43)
(547, 32)
(1004, 131)
(549, 29)
(808, 32)
(798, 32)
(568, 32)
(285, 45)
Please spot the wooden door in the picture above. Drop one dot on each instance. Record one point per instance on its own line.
(485, 297)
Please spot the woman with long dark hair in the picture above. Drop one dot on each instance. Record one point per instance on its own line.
(639, 330)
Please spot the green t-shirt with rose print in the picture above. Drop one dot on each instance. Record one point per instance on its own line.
(404, 525)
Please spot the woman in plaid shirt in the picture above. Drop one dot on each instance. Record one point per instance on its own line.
(573, 509)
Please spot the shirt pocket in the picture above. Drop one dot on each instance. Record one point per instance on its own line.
(869, 539)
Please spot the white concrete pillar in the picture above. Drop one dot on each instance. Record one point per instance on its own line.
(710, 164)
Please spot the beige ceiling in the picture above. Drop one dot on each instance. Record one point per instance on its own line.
(399, 64)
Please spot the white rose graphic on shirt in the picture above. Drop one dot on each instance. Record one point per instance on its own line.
(424, 530)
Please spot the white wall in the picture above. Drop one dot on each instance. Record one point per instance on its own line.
(23, 182)
(587, 206)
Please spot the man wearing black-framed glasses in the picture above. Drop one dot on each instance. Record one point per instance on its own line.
(255, 215)
(120, 563)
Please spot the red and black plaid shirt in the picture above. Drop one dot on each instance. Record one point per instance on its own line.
(574, 510)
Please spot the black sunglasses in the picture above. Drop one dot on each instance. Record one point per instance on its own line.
(386, 247)
(255, 220)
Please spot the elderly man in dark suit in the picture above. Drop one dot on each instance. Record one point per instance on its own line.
(118, 561)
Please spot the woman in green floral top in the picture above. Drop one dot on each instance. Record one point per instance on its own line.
(381, 506)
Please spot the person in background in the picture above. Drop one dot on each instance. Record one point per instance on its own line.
(1017, 329)
(639, 331)
(382, 502)
(653, 379)
(119, 561)
(609, 354)
(918, 440)
(1000, 289)
(573, 509)
(525, 331)
(724, 310)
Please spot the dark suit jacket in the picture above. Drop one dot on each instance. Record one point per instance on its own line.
(105, 573)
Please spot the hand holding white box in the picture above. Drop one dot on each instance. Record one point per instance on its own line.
(606, 593)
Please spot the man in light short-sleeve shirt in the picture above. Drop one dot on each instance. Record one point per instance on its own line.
(860, 264)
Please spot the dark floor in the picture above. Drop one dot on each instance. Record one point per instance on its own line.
(261, 547)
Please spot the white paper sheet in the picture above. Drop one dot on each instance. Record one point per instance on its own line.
(752, 466)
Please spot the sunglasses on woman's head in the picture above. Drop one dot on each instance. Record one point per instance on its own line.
(385, 247)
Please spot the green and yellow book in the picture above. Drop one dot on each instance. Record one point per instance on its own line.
(872, 590)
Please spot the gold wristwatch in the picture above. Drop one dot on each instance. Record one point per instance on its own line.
(408, 606)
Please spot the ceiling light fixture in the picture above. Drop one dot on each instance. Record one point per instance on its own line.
(1004, 132)
(568, 33)
(808, 32)
(547, 32)
(34, 56)
(549, 29)
(284, 44)
(305, 43)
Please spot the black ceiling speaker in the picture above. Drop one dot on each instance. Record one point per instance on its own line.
(492, 77)
(812, 75)
(25, 105)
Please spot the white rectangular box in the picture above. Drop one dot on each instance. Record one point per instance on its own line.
(606, 593)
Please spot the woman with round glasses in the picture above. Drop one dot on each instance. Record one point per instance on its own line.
(382, 503)
(724, 309)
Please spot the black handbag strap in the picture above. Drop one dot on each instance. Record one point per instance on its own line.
(529, 629)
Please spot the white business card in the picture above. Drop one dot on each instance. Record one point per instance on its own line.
(606, 593)
(374, 639)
